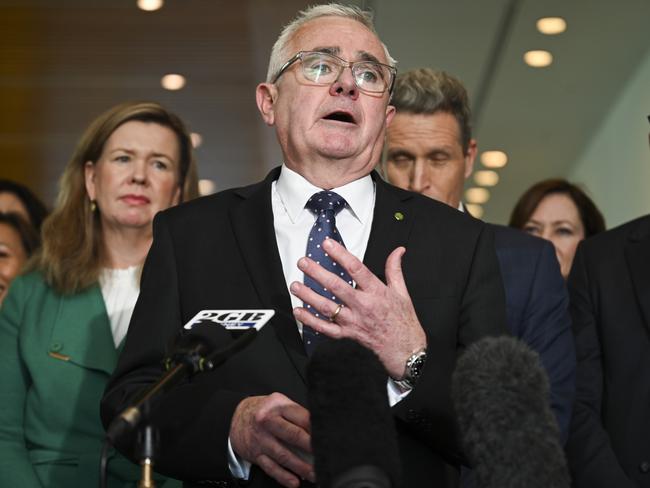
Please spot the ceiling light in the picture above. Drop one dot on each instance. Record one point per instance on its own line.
(197, 139)
(150, 5)
(172, 82)
(206, 187)
(551, 25)
(494, 159)
(474, 210)
(486, 178)
(538, 59)
(477, 195)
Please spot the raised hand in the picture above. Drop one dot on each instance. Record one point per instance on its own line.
(379, 316)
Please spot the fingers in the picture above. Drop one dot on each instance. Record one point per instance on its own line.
(330, 281)
(273, 432)
(394, 274)
(322, 307)
(287, 430)
(355, 268)
(278, 472)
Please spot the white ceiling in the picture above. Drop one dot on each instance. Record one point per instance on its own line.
(63, 62)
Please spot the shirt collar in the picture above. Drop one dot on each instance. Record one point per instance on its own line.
(294, 191)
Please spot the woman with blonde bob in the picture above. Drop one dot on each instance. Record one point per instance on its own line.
(63, 323)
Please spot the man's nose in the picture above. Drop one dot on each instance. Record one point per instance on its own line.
(419, 177)
(345, 85)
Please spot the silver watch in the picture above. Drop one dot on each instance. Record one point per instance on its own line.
(413, 369)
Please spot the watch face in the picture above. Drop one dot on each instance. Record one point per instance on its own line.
(415, 368)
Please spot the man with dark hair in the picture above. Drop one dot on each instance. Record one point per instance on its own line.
(609, 286)
(327, 96)
(430, 150)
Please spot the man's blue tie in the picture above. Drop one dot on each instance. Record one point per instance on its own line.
(325, 205)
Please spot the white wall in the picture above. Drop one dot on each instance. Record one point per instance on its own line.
(615, 166)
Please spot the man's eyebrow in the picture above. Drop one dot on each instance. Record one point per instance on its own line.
(336, 51)
(328, 50)
(398, 152)
(366, 56)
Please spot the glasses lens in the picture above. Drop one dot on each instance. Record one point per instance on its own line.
(323, 68)
(372, 77)
(320, 67)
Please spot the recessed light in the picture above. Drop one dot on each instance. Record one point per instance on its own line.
(197, 139)
(475, 210)
(538, 58)
(206, 187)
(486, 178)
(172, 82)
(150, 5)
(551, 25)
(477, 195)
(494, 159)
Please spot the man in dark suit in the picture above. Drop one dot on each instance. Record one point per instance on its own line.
(609, 286)
(327, 95)
(430, 150)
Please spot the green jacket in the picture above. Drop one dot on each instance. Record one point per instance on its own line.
(56, 355)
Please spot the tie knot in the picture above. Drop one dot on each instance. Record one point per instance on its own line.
(326, 200)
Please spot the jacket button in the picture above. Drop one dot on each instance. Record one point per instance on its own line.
(644, 467)
(56, 346)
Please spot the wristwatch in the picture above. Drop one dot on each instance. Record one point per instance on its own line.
(413, 369)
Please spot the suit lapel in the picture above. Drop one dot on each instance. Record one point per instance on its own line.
(252, 223)
(82, 332)
(391, 225)
(637, 254)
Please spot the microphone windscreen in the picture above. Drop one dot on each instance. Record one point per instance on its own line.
(501, 397)
(351, 422)
(202, 339)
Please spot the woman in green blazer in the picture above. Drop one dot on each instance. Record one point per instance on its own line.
(62, 324)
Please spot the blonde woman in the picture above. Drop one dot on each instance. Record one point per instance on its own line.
(63, 323)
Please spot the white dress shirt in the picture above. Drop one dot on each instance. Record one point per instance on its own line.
(293, 223)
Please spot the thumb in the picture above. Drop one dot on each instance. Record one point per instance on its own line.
(394, 275)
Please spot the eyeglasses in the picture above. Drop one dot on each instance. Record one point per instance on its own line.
(324, 68)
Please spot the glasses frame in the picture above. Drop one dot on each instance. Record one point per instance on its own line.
(342, 64)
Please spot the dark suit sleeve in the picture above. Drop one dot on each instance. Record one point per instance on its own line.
(591, 459)
(548, 331)
(427, 411)
(193, 419)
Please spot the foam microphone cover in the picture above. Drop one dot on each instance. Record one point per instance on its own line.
(351, 422)
(202, 338)
(501, 397)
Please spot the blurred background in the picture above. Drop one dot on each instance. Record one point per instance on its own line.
(580, 111)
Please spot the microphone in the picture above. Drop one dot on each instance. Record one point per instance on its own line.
(195, 351)
(501, 396)
(353, 431)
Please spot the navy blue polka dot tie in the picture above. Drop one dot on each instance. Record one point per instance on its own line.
(325, 205)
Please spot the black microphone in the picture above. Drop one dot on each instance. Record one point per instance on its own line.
(501, 396)
(195, 351)
(352, 429)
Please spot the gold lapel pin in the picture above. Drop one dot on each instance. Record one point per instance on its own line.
(399, 216)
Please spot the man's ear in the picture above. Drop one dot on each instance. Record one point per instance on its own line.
(390, 113)
(470, 156)
(266, 95)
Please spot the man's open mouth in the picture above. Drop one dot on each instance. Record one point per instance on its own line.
(340, 116)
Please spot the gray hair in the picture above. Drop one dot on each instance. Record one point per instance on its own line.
(425, 91)
(279, 54)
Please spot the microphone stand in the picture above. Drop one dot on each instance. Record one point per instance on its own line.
(147, 455)
(180, 365)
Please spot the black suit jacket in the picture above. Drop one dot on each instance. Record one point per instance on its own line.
(609, 286)
(221, 252)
